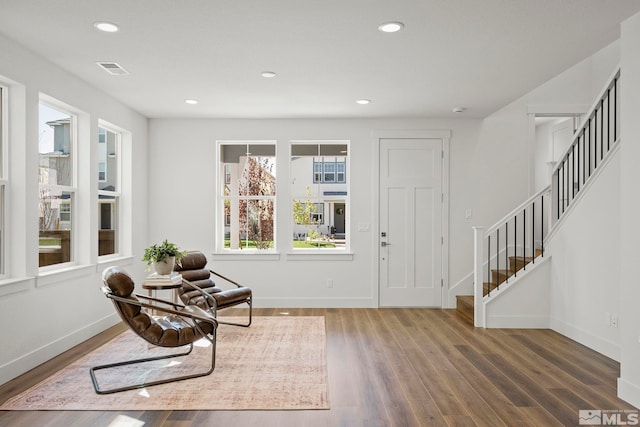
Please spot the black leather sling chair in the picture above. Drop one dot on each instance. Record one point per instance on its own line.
(170, 325)
(198, 288)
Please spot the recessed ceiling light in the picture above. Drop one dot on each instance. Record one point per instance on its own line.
(268, 74)
(191, 101)
(107, 27)
(391, 27)
(363, 101)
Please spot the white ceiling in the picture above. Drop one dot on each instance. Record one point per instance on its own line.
(476, 54)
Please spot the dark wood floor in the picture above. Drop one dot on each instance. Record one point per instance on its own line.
(400, 367)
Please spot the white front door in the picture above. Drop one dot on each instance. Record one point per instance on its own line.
(410, 253)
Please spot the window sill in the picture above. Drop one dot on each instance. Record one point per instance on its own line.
(15, 285)
(55, 276)
(319, 255)
(109, 260)
(246, 255)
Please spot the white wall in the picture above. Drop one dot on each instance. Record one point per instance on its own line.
(182, 198)
(585, 276)
(629, 381)
(44, 315)
(524, 304)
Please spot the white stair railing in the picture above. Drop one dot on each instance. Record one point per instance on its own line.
(520, 235)
(592, 142)
(517, 238)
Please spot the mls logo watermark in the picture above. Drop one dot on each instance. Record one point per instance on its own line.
(599, 417)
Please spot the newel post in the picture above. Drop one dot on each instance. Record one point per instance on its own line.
(478, 280)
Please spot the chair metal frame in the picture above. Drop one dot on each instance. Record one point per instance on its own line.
(213, 303)
(159, 306)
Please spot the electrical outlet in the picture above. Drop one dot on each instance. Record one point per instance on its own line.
(329, 283)
(607, 318)
(614, 320)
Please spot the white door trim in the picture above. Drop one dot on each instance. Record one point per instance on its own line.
(445, 136)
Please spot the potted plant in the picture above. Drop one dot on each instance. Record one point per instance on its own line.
(163, 257)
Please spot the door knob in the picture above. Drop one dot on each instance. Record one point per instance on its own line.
(383, 244)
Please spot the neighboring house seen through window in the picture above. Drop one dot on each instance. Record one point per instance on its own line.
(56, 148)
(320, 195)
(109, 141)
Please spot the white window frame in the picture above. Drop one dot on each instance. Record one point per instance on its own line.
(222, 172)
(72, 187)
(326, 200)
(117, 204)
(4, 174)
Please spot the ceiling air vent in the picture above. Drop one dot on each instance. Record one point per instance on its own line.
(113, 68)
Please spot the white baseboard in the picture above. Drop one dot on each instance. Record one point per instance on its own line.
(28, 361)
(341, 302)
(518, 322)
(629, 392)
(608, 348)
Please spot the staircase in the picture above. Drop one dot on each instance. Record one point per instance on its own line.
(517, 241)
(465, 303)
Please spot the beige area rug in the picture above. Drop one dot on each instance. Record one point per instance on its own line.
(279, 363)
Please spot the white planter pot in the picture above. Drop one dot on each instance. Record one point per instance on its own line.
(165, 267)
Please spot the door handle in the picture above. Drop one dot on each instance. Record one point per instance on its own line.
(383, 244)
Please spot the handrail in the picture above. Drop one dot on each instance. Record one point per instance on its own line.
(518, 209)
(588, 148)
(615, 76)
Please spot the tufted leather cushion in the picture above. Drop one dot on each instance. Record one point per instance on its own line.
(193, 268)
(232, 296)
(118, 281)
(194, 260)
(165, 331)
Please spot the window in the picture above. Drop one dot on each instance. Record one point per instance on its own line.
(109, 141)
(328, 171)
(320, 195)
(56, 174)
(246, 196)
(3, 182)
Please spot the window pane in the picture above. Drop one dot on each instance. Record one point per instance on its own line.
(304, 150)
(55, 147)
(108, 146)
(108, 220)
(1, 229)
(341, 172)
(2, 142)
(246, 173)
(2, 175)
(256, 224)
(333, 149)
(329, 175)
(257, 178)
(56, 213)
